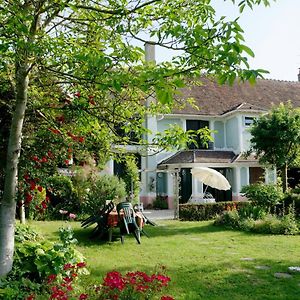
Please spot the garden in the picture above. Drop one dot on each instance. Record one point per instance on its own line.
(72, 87)
(199, 261)
(216, 251)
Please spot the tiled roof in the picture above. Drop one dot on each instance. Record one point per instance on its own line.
(214, 99)
(200, 156)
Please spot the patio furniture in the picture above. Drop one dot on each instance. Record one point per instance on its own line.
(127, 222)
(101, 219)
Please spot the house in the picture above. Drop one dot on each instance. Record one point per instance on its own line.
(229, 111)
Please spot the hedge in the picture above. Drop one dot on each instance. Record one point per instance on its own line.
(207, 211)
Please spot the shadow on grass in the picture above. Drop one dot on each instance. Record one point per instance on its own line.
(171, 228)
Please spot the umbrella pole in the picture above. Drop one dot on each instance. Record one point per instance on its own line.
(205, 190)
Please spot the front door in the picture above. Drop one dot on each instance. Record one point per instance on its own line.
(185, 190)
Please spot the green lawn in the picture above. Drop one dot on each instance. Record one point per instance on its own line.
(203, 261)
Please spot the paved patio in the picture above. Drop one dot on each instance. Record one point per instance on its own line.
(164, 214)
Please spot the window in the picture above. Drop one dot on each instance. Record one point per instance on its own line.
(248, 121)
(195, 125)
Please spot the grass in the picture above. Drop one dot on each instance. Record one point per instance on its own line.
(203, 261)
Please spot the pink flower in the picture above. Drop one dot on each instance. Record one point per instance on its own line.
(72, 216)
(63, 212)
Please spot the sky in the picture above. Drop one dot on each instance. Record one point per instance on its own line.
(273, 33)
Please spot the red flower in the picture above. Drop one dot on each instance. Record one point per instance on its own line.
(47, 199)
(92, 102)
(26, 177)
(40, 188)
(68, 266)
(30, 297)
(50, 154)
(44, 205)
(32, 185)
(51, 278)
(81, 265)
(55, 131)
(166, 298)
(60, 119)
(67, 279)
(44, 159)
(81, 139)
(67, 161)
(28, 198)
(83, 296)
(70, 150)
(35, 158)
(77, 94)
(70, 134)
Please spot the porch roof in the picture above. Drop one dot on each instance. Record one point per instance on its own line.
(199, 156)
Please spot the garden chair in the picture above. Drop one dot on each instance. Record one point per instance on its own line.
(101, 219)
(127, 223)
(136, 208)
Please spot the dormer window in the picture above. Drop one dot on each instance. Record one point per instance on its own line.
(248, 121)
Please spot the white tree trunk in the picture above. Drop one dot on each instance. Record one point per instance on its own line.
(8, 204)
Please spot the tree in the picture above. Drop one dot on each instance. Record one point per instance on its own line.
(86, 47)
(276, 138)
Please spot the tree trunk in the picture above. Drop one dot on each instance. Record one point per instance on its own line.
(8, 205)
(284, 178)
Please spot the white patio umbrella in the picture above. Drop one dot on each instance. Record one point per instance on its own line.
(211, 177)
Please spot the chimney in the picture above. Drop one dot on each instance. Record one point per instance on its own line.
(299, 75)
(150, 52)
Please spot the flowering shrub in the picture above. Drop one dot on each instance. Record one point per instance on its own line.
(131, 286)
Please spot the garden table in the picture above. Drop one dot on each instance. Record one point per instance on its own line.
(113, 221)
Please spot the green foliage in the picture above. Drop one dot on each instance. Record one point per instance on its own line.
(276, 138)
(291, 199)
(251, 211)
(131, 178)
(60, 186)
(267, 223)
(105, 187)
(62, 196)
(161, 202)
(38, 259)
(263, 195)
(208, 211)
(25, 233)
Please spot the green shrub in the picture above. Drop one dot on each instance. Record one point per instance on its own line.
(105, 187)
(62, 196)
(161, 202)
(291, 199)
(251, 211)
(268, 224)
(25, 233)
(207, 211)
(263, 195)
(36, 260)
(228, 219)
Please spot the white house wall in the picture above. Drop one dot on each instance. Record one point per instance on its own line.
(232, 134)
(219, 136)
